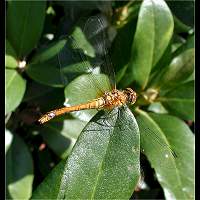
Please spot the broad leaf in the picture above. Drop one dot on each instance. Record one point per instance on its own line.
(47, 73)
(171, 171)
(48, 52)
(24, 25)
(180, 68)
(15, 88)
(61, 136)
(189, 44)
(11, 61)
(88, 87)
(104, 163)
(180, 101)
(8, 139)
(153, 33)
(19, 171)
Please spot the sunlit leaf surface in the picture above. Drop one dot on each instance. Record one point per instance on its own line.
(106, 155)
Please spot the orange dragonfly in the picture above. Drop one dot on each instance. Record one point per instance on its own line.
(108, 96)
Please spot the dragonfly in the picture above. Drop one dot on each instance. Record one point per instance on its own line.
(94, 31)
(109, 99)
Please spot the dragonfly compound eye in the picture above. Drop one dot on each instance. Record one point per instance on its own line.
(132, 96)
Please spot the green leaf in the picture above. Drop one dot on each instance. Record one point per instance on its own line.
(61, 136)
(60, 63)
(121, 48)
(180, 27)
(180, 68)
(11, 61)
(104, 163)
(19, 170)
(176, 175)
(24, 24)
(153, 33)
(82, 41)
(48, 52)
(47, 73)
(49, 188)
(15, 88)
(180, 101)
(88, 87)
(189, 44)
(35, 90)
(8, 139)
(157, 107)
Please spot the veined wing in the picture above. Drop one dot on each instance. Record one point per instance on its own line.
(154, 143)
(95, 31)
(85, 52)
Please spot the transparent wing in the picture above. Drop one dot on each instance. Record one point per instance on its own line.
(73, 63)
(155, 147)
(95, 31)
(85, 53)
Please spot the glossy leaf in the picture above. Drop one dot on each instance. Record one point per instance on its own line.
(24, 25)
(11, 61)
(153, 33)
(48, 52)
(47, 73)
(180, 101)
(49, 188)
(8, 139)
(189, 44)
(15, 88)
(121, 48)
(19, 172)
(180, 68)
(44, 67)
(35, 90)
(177, 174)
(61, 136)
(104, 163)
(88, 87)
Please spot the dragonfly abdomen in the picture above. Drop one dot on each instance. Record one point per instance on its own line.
(95, 104)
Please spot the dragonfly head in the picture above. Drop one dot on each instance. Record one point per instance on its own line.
(131, 95)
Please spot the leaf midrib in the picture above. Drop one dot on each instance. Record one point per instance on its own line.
(101, 164)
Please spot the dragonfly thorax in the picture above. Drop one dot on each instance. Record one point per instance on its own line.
(118, 98)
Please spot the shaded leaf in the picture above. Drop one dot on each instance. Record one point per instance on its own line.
(47, 73)
(49, 188)
(177, 171)
(35, 90)
(157, 107)
(104, 162)
(121, 48)
(48, 52)
(15, 88)
(180, 8)
(180, 68)
(19, 171)
(189, 44)
(88, 87)
(180, 101)
(24, 25)
(153, 33)
(11, 61)
(61, 136)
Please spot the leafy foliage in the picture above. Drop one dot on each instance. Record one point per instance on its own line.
(97, 154)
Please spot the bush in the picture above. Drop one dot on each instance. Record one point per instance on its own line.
(54, 51)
